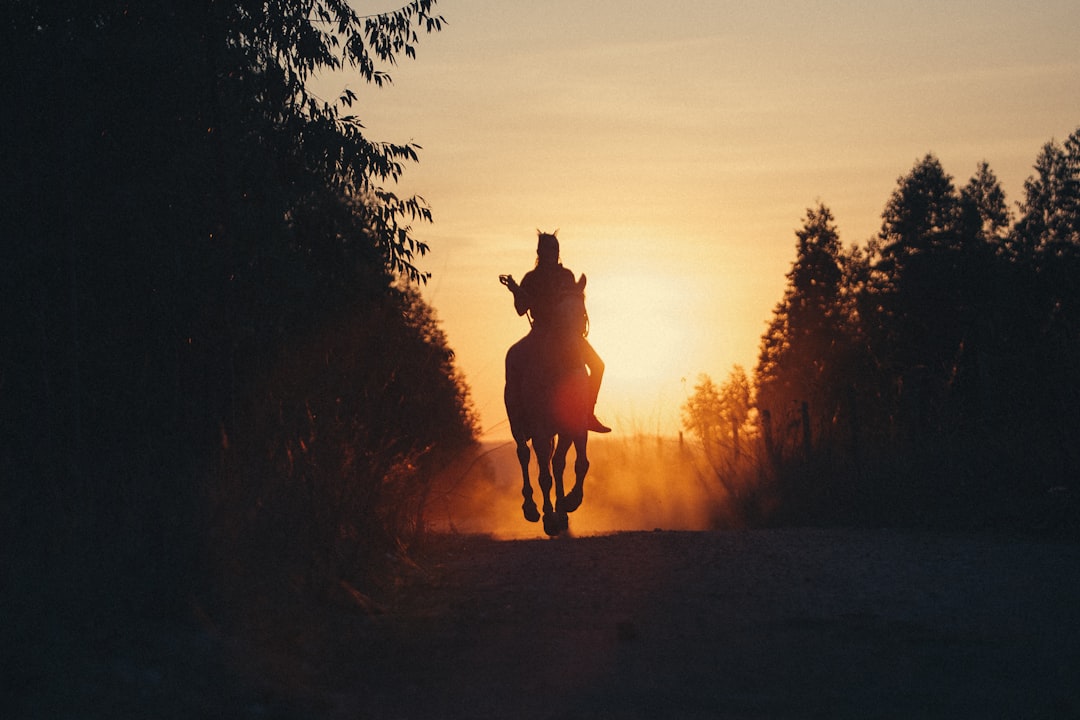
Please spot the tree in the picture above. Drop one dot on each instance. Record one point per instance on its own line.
(702, 414)
(184, 214)
(1044, 247)
(352, 425)
(178, 194)
(918, 232)
(921, 214)
(717, 417)
(947, 347)
(984, 214)
(987, 291)
(802, 351)
(1049, 223)
(735, 406)
(919, 329)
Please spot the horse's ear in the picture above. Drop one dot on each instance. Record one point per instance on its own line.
(555, 232)
(581, 283)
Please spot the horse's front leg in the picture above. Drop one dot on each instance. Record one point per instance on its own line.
(554, 520)
(558, 467)
(528, 507)
(581, 467)
(543, 448)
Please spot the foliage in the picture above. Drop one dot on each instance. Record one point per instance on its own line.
(353, 423)
(803, 357)
(720, 419)
(1048, 226)
(186, 221)
(931, 375)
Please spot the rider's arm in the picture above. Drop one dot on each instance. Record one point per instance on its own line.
(521, 301)
(522, 297)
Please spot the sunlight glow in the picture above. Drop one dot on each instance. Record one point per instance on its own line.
(677, 145)
(638, 322)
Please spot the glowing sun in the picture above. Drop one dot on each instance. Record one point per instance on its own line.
(638, 323)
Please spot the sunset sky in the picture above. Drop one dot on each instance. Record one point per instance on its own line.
(676, 146)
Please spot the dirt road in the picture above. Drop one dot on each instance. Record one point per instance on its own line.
(733, 624)
(747, 624)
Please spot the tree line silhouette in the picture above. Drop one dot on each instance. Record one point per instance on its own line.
(929, 376)
(215, 361)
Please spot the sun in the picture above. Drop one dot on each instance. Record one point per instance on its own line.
(638, 323)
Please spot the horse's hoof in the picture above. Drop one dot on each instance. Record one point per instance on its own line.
(551, 524)
(556, 523)
(572, 502)
(530, 512)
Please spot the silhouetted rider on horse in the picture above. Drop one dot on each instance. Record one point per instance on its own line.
(538, 294)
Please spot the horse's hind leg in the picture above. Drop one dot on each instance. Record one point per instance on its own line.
(581, 467)
(528, 507)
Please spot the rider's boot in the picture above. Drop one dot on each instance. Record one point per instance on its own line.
(596, 426)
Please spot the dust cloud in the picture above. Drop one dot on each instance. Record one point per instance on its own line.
(636, 483)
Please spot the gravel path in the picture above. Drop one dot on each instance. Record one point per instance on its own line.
(747, 624)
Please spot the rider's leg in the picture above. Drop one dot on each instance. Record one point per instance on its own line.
(596, 376)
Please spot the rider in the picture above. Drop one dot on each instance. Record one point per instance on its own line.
(537, 294)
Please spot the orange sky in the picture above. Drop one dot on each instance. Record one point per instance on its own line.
(676, 146)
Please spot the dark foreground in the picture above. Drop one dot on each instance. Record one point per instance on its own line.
(746, 624)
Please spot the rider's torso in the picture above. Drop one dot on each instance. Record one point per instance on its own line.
(543, 285)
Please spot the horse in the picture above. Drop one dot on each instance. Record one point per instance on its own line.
(547, 402)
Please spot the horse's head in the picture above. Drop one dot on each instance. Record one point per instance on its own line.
(570, 316)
